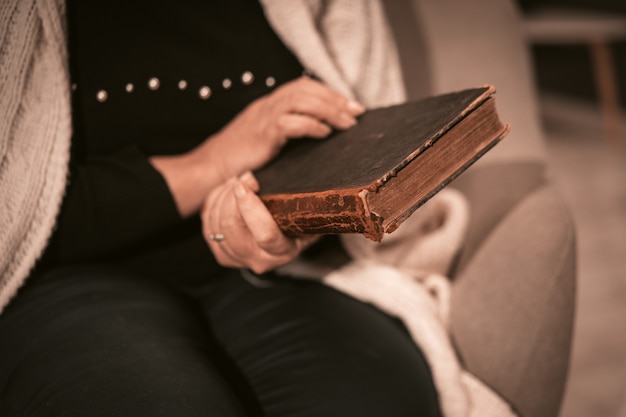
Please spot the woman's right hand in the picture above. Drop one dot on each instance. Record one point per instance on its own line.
(300, 108)
(248, 234)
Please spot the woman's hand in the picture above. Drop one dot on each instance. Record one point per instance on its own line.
(303, 107)
(242, 233)
(300, 108)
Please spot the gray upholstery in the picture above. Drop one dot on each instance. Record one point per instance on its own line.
(514, 282)
(513, 305)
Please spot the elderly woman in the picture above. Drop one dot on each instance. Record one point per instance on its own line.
(128, 283)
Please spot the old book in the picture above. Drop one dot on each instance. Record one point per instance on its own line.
(372, 177)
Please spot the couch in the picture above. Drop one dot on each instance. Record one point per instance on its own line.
(513, 299)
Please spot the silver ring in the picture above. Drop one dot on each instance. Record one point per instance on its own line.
(216, 237)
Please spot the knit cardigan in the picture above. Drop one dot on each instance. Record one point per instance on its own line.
(35, 130)
(345, 43)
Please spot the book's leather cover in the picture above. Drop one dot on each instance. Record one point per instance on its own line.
(318, 186)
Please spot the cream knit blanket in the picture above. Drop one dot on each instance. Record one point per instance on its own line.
(404, 276)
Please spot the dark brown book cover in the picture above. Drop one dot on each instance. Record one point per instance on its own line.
(370, 178)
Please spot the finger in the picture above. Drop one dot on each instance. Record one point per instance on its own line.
(224, 259)
(208, 211)
(298, 125)
(250, 181)
(317, 100)
(216, 201)
(241, 249)
(238, 242)
(316, 88)
(306, 240)
(261, 224)
(333, 112)
(211, 216)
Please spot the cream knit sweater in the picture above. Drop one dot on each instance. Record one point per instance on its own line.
(348, 46)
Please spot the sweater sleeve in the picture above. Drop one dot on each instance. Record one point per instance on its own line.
(112, 204)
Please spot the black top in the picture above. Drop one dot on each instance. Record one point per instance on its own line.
(154, 78)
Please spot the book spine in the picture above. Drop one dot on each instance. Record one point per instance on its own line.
(328, 212)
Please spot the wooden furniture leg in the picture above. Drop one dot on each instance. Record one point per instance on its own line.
(606, 83)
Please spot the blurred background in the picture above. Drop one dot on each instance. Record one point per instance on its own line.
(567, 68)
(579, 52)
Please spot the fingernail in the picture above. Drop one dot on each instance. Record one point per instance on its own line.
(347, 119)
(356, 107)
(240, 190)
(246, 177)
(249, 180)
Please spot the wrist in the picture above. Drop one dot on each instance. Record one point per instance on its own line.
(221, 153)
(210, 161)
(190, 177)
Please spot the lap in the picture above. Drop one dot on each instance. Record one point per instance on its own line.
(309, 350)
(87, 340)
(95, 342)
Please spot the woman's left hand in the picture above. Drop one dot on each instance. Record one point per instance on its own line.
(242, 233)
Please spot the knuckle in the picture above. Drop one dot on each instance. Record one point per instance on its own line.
(266, 262)
(260, 268)
(293, 98)
(283, 123)
(313, 128)
(224, 260)
(302, 81)
(228, 222)
(257, 104)
(311, 83)
(269, 239)
(240, 250)
(284, 129)
(322, 130)
(297, 130)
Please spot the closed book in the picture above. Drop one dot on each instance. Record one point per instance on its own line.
(370, 178)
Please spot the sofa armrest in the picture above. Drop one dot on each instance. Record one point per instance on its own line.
(493, 190)
(513, 304)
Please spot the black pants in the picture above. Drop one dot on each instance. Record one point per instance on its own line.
(94, 342)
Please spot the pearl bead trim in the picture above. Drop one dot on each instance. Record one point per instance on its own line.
(154, 83)
(247, 78)
(204, 92)
(102, 96)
